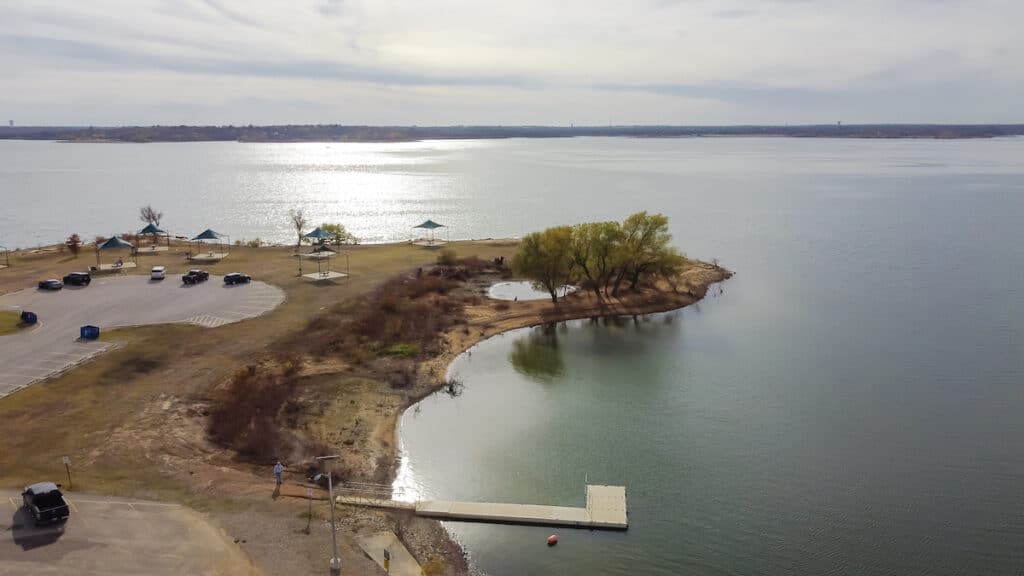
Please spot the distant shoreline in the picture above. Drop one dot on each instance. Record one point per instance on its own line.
(388, 134)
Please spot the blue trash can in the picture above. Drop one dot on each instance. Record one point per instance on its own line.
(90, 332)
(29, 317)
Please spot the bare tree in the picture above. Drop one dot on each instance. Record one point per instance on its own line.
(150, 216)
(299, 221)
(74, 243)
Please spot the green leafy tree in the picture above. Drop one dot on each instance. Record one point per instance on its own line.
(645, 244)
(668, 266)
(546, 258)
(595, 246)
(341, 235)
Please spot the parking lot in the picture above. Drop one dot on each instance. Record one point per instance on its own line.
(111, 302)
(111, 536)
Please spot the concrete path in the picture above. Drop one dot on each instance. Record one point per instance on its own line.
(111, 536)
(402, 562)
(52, 347)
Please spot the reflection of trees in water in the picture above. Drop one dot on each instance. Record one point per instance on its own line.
(537, 354)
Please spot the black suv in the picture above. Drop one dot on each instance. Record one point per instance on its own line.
(237, 278)
(77, 279)
(45, 503)
(195, 276)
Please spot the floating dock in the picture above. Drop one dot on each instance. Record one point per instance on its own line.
(606, 509)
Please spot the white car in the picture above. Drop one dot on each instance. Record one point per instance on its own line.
(158, 273)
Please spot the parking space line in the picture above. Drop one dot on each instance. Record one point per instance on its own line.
(75, 509)
(129, 503)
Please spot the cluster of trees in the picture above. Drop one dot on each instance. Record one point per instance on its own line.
(339, 235)
(601, 256)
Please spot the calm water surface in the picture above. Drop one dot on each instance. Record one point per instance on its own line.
(850, 404)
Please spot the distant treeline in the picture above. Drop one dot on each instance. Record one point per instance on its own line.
(335, 133)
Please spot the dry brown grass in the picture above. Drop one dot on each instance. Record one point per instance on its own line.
(408, 311)
(244, 414)
(10, 322)
(124, 417)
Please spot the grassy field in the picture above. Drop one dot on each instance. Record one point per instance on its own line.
(127, 419)
(10, 322)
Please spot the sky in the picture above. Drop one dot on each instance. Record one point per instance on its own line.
(536, 62)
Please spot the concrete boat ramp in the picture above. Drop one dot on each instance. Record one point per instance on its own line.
(605, 509)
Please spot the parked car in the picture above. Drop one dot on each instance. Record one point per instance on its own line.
(51, 284)
(158, 273)
(45, 502)
(78, 279)
(237, 278)
(195, 276)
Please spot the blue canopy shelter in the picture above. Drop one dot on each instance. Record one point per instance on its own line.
(319, 235)
(155, 232)
(431, 226)
(209, 234)
(113, 243)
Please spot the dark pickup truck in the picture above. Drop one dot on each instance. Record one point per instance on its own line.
(45, 502)
(195, 276)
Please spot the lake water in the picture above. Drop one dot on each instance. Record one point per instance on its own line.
(850, 403)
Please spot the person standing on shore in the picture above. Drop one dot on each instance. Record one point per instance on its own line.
(278, 471)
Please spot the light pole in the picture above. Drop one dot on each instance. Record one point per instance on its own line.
(335, 560)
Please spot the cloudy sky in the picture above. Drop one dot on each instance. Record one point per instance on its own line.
(440, 62)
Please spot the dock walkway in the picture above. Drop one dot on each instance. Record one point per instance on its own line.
(605, 508)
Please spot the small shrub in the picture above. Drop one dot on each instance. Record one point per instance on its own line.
(291, 366)
(138, 365)
(446, 257)
(402, 350)
(403, 376)
(501, 306)
(244, 414)
(453, 387)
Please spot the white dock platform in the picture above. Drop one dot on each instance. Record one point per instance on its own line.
(606, 508)
(328, 275)
(207, 257)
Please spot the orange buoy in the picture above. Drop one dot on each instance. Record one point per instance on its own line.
(552, 540)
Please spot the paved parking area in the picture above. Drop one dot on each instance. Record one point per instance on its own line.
(111, 302)
(109, 536)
